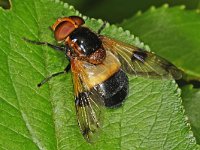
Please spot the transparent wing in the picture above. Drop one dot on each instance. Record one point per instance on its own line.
(89, 108)
(139, 62)
(89, 115)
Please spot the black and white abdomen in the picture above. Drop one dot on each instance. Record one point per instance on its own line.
(114, 90)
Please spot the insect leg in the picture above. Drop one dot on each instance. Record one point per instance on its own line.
(102, 27)
(54, 75)
(60, 48)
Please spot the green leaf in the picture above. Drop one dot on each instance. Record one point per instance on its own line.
(44, 118)
(191, 103)
(173, 33)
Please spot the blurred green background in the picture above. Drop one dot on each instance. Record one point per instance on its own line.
(115, 11)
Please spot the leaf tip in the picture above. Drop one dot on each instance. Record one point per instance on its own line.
(66, 5)
(191, 136)
(152, 8)
(165, 5)
(182, 7)
(198, 11)
(139, 13)
(138, 42)
(84, 17)
(57, 1)
(100, 21)
(147, 48)
(128, 33)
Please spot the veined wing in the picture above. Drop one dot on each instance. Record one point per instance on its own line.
(89, 105)
(139, 62)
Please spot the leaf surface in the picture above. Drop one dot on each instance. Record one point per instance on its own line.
(191, 103)
(44, 118)
(174, 33)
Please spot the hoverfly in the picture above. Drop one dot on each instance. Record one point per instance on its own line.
(99, 65)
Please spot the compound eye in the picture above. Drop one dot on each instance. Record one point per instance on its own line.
(77, 20)
(63, 30)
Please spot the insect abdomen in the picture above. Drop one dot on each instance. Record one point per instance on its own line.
(114, 90)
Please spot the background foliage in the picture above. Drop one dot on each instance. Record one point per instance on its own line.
(45, 118)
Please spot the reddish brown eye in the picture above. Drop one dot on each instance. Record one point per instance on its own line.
(63, 30)
(77, 20)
